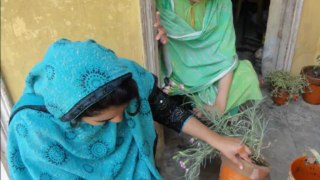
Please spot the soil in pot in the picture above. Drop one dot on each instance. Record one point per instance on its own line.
(231, 171)
(312, 95)
(301, 169)
(281, 98)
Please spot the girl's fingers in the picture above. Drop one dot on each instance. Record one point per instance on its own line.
(244, 153)
(158, 36)
(197, 113)
(158, 17)
(248, 150)
(235, 160)
(171, 83)
(161, 33)
(157, 24)
(164, 40)
(245, 157)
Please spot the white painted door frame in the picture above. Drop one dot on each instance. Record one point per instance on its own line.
(151, 56)
(281, 36)
(279, 47)
(147, 10)
(6, 105)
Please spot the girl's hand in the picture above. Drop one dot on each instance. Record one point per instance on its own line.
(168, 84)
(233, 149)
(162, 33)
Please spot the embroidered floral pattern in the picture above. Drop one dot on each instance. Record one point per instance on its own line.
(21, 129)
(87, 168)
(16, 161)
(92, 79)
(56, 154)
(131, 123)
(70, 134)
(98, 149)
(45, 176)
(116, 168)
(54, 109)
(50, 72)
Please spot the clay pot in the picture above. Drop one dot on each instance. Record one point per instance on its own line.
(312, 93)
(281, 98)
(301, 170)
(231, 171)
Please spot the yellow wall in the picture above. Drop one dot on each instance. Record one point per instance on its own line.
(28, 27)
(308, 42)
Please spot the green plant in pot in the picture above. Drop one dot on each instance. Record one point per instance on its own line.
(312, 74)
(285, 87)
(297, 85)
(249, 125)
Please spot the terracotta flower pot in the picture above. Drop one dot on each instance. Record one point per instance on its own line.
(281, 98)
(302, 170)
(231, 171)
(312, 93)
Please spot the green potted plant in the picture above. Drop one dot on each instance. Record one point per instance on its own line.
(285, 86)
(306, 167)
(312, 74)
(249, 125)
(297, 85)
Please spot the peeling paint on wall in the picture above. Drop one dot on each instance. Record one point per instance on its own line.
(19, 26)
(28, 27)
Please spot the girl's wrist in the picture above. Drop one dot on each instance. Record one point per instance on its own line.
(215, 140)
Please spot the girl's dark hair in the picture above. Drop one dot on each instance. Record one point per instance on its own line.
(124, 93)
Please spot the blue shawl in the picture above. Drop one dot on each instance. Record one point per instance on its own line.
(72, 76)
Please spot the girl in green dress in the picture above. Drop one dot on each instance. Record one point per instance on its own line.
(200, 40)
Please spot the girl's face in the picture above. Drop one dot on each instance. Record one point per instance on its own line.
(113, 114)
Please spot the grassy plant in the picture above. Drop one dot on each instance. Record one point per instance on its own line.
(316, 155)
(249, 125)
(297, 85)
(278, 80)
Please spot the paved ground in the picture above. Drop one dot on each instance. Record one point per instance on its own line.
(292, 129)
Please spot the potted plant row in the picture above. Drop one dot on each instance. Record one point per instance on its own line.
(285, 87)
(312, 74)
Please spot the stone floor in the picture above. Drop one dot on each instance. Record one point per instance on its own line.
(292, 129)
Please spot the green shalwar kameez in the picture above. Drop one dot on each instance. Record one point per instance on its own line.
(201, 50)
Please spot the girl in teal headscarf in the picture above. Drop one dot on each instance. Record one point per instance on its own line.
(202, 55)
(87, 114)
